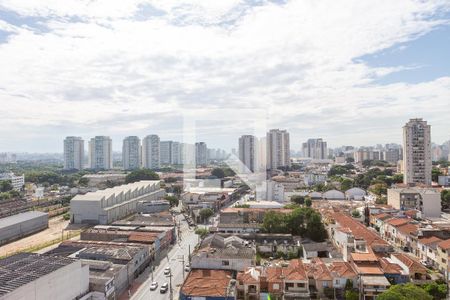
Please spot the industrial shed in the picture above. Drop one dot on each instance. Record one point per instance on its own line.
(315, 195)
(355, 194)
(334, 195)
(20, 225)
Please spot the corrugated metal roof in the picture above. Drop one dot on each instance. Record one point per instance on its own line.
(19, 218)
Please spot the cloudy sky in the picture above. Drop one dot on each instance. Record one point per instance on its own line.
(351, 72)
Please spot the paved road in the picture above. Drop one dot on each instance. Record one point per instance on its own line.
(174, 260)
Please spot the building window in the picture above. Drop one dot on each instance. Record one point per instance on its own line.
(444, 261)
(276, 286)
(325, 284)
(336, 281)
(225, 263)
(289, 285)
(302, 285)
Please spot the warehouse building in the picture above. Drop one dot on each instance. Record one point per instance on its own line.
(109, 205)
(41, 277)
(127, 262)
(20, 225)
(154, 206)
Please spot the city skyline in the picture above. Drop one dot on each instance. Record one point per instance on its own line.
(135, 67)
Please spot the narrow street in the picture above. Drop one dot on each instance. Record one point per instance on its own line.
(174, 260)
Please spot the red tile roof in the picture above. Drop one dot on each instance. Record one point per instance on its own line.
(295, 271)
(445, 244)
(317, 270)
(249, 276)
(366, 269)
(389, 267)
(429, 240)
(398, 221)
(408, 228)
(358, 257)
(410, 262)
(359, 231)
(382, 216)
(342, 269)
(206, 283)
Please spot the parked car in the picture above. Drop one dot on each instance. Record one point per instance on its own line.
(167, 271)
(164, 288)
(153, 286)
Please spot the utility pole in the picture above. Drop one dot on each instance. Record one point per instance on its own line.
(189, 254)
(182, 267)
(170, 284)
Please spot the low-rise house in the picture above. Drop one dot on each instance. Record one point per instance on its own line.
(443, 251)
(269, 244)
(319, 278)
(393, 272)
(427, 248)
(377, 221)
(239, 227)
(391, 229)
(257, 282)
(417, 272)
(407, 237)
(351, 236)
(315, 249)
(296, 283)
(342, 271)
(208, 285)
(225, 253)
(372, 285)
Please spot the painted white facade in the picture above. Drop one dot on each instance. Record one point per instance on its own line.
(417, 152)
(278, 149)
(131, 153)
(17, 182)
(109, 205)
(73, 153)
(100, 153)
(66, 283)
(151, 152)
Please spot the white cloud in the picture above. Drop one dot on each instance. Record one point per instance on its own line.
(98, 65)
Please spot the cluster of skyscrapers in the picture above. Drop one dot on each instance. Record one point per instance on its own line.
(151, 153)
(270, 152)
(255, 154)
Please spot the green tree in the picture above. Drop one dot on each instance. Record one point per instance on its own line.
(346, 184)
(445, 197)
(356, 213)
(437, 290)
(170, 180)
(351, 295)
(379, 189)
(172, 200)
(83, 181)
(5, 186)
(141, 174)
(435, 173)
(274, 222)
(308, 202)
(205, 213)
(298, 199)
(218, 172)
(315, 228)
(202, 232)
(407, 291)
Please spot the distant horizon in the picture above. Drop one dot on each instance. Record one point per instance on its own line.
(352, 73)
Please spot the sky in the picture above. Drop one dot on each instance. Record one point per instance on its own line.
(351, 72)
